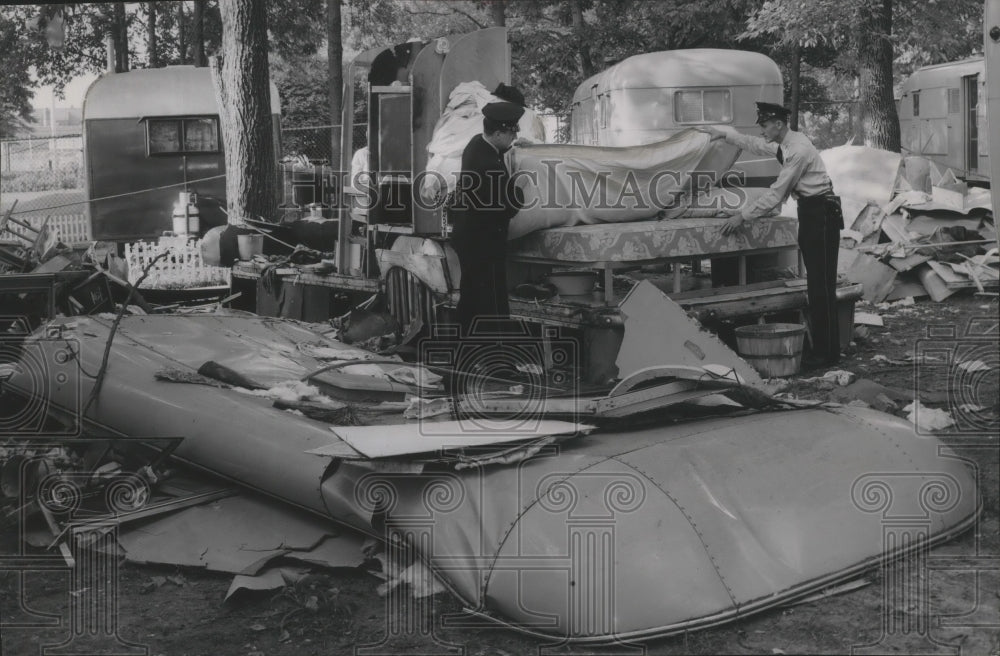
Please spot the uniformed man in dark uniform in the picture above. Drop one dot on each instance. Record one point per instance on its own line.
(486, 200)
(804, 176)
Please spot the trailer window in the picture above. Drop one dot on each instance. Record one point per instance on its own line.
(182, 135)
(201, 135)
(703, 106)
(916, 103)
(164, 136)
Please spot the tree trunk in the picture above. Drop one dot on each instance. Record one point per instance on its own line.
(109, 50)
(335, 78)
(879, 121)
(154, 60)
(119, 30)
(181, 42)
(499, 13)
(198, 33)
(796, 87)
(242, 89)
(579, 31)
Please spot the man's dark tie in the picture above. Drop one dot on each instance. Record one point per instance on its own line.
(781, 156)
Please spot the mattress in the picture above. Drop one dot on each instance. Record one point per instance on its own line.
(651, 240)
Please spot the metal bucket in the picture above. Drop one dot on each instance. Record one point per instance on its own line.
(774, 349)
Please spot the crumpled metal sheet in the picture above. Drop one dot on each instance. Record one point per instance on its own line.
(657, 531)
(240, 535)
(627, 533)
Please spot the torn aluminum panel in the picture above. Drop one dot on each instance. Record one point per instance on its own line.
(240, 535)
(659, 332)
(658, 531)
(623, 533)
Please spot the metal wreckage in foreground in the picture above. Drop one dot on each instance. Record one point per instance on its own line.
(678, 500)
(679, 497)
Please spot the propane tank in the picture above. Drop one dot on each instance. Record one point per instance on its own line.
(180, 219)
(193, 218)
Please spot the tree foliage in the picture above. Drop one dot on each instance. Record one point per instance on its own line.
(880, 42)
(555, 44)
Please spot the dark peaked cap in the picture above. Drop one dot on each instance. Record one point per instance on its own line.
(506, 113)
(770, 111)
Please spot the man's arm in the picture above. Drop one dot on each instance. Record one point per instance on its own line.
(790, 173)
(755, 145)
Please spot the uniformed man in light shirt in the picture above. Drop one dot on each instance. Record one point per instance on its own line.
(804, 177)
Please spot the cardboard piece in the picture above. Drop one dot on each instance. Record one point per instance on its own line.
(906, 286)
(948, 275)
(845, 260)
(868, 319)
(896, 229)
(876, 278)
(932, 282)
(911, 261)
(949, 191)
(434, 436)
(659, 332)
(917, 172)
(868, 221)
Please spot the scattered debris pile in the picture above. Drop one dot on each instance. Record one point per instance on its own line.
(120, 498)
(912, 230)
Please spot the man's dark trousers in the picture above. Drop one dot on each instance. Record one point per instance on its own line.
(820, 222)
(482, 254)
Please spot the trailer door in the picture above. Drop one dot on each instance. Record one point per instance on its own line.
(970, 85)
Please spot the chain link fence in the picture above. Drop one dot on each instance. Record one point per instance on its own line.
(41, 164)
(314, 141)
(44, 176)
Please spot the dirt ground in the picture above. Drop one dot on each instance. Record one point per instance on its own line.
(945, 602)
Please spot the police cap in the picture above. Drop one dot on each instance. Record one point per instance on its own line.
(770, 112)
(505, 113)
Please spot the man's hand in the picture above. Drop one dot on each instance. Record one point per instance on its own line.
(522, 141)
(712, 131)
(734, 224)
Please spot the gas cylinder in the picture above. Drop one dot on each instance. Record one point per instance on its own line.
(180, 219)
(193, 219)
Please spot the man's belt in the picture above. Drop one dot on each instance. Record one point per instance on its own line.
(827, 200)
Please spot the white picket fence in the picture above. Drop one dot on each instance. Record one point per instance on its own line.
(71, 228)
(183, 268)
